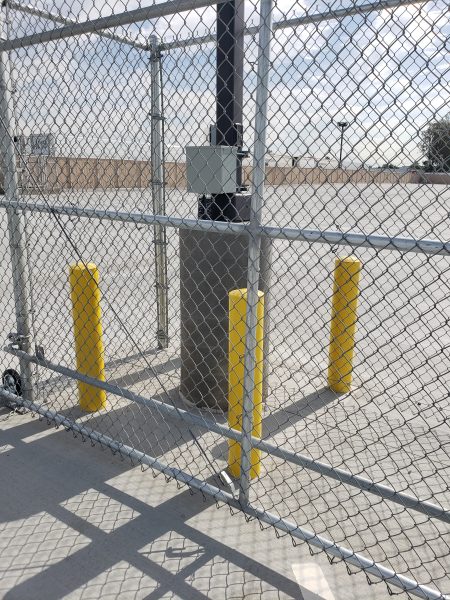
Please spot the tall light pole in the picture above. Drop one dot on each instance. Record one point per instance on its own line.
(343, 125)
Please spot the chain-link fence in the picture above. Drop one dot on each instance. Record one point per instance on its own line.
(225, 257)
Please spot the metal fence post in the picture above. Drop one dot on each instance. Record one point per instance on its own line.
(254, 249)
(16, 229)
(158, 194)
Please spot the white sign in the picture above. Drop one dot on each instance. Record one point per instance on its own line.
(21, 144)
(42, 144)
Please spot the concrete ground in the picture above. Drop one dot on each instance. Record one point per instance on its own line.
(77, 522)
(392, 428)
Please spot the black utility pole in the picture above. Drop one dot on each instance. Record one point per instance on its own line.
(229, 100)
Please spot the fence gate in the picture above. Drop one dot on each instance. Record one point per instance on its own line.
(235, 268)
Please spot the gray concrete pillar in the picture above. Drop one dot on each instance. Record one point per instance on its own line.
(212, 264)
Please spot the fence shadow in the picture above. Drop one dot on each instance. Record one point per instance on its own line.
(96, 536)
(286, 416)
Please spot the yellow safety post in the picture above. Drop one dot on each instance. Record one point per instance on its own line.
(343, 323)
(87, 328)
(236, 351)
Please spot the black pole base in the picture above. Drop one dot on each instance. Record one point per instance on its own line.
(234, 208)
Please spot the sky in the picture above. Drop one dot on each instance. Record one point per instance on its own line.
(386, 74)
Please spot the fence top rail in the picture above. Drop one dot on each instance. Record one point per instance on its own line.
(292, 234)
(73, 28)
(29, 9)
(96, 25)
(306, 19)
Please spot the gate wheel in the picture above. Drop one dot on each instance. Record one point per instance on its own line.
(11, 382)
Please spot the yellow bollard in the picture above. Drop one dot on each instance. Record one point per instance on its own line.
(87, 328)
(236, 349)
(343, 323)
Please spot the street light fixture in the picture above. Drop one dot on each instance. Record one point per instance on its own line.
(343, 125)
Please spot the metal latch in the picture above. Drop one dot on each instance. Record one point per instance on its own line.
(18, 340)
(39, 351)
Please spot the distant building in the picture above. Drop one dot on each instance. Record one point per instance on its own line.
(36, 144)
(303, 162)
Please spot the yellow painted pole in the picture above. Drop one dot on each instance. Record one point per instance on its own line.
(343, 323)
(236, 351)
(87, 328)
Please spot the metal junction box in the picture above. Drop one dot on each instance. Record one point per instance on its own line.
(211, 169)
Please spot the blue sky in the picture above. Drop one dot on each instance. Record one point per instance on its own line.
(386, 73)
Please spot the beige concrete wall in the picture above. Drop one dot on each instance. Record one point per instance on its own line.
(92, 173)
(84, 173)
(175, 176)
(435, 178)
(317, 176)
(58, 173)
(106, 174)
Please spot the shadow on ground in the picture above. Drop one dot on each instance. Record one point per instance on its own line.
(81, 524)
(287, 415)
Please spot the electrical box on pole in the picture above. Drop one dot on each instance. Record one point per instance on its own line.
(211, 169)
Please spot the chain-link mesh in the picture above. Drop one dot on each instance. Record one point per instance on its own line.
(355, 154)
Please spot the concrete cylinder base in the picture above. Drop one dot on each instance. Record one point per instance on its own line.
(212, 264)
